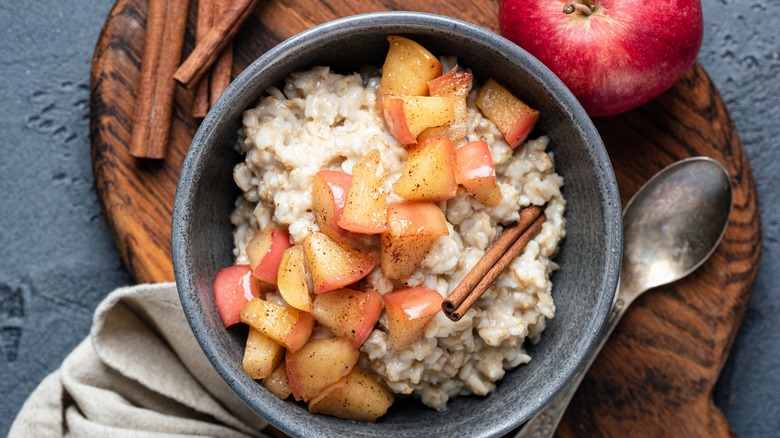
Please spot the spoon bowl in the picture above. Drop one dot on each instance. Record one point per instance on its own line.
(671, 226)
(673, 223)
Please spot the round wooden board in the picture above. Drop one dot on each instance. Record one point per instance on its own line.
(656, 374)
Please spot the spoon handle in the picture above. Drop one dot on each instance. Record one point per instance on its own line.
(544, 423)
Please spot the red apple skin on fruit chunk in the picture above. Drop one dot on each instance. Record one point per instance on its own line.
(511, 115)
(357, 396)
(457, 84)
(348, 313)
(319, 364)
(429, 173)
(285, 325)
(278, 383)
(413, 228)
(293, 283)
(407, 116)
(334, 265)
(477, 174)
(234, 286)
(617, 57)
(265, 252)
(261, 355)
(408, 67)
(365, 209)
(328, 195)
(408, 311)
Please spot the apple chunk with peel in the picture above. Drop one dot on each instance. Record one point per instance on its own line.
(365, 209)
(408, 311)
(407, 116)
(511, 115)
(320, 363)
(265, 251)
(328, 195)
(358, 396)
(348, 313)
(477, 174)
(456, 84)
(261, 355)
(413, 227)
(234, 286)
(277, 382)
(408, 67)
(285, 325)
(293, 283)
(429, 173)
(334, 265)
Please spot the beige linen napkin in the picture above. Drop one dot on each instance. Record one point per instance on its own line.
(140, 372)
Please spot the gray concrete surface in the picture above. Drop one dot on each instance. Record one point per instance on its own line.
(57, 258)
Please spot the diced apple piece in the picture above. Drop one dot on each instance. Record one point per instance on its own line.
(234, 286)
(457, 84)
(261, 355)
(334, 265)
(429, 173)
(328, 195)
(413, 227)
(511, 115)
(285, 325)
(293, 280)
(407, 116)
(477, 174)
(319, 364)
(365, 209)
(408, 67)
(265, 251)
(348, 313)
(278, 383)
(454, 83)
(408, 311)
(358, 396)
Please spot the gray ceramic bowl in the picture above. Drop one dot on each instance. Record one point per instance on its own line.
(589, 256)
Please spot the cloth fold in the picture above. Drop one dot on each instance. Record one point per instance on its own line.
(139, 373)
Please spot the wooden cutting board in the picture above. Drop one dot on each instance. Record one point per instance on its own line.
(654, 377)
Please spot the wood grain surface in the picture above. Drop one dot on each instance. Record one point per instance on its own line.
(654, 377)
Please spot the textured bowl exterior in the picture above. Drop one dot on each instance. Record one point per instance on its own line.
(589, 256)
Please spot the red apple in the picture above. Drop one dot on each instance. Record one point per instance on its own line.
(614, 55)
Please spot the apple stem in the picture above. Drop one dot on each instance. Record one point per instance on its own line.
(570, 8)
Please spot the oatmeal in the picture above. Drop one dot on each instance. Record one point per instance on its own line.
(324, 120)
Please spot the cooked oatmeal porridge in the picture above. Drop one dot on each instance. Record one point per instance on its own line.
(323, 120)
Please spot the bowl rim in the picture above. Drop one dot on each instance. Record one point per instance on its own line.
(413, 21)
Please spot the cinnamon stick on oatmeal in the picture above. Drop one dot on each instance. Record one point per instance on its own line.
(508, 246)
(165, 27)
(222, 31)
(222, 71)
(201, 99)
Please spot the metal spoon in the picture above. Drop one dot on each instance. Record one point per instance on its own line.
(670, 227)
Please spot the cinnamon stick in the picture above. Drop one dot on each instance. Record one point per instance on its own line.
(508, 246)
(222, 31)
(222, 71)
(166, 23)
(201, 100)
